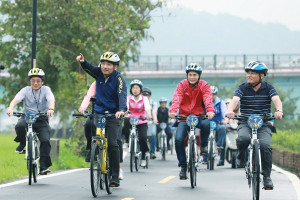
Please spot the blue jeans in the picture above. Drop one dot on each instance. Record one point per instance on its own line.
(152, 131)
(221, 132)
(181, 133)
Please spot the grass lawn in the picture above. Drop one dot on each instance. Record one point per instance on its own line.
(13, 165)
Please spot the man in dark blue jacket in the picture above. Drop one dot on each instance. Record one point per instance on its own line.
(111, 96)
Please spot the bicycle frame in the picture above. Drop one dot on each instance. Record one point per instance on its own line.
(133, 140)
(212, 146)
(163, 140)
(32, 153)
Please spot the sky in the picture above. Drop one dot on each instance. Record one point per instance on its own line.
(286, 12)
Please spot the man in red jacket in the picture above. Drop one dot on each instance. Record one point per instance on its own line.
(192, 96)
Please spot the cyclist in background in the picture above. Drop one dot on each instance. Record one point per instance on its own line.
(37, 98)
(220, 119)
(192, 96)
(255, 97)
(138, 106)
(91, 126)
(151, 126)
(111, 95)
(163, 116)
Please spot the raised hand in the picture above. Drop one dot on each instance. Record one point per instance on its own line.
(80, 58)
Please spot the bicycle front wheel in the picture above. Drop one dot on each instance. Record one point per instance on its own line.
(255, 172)
(192, 162)
(211, 159)
(107, 176)
(163, 147)
(95, 168)
(30, 166)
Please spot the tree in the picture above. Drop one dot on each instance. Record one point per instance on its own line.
(64, 29)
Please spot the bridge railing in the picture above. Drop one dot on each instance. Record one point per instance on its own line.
(213, 62)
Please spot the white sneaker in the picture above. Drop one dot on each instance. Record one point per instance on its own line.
(143, 163)
(125, 145)
(121, 175)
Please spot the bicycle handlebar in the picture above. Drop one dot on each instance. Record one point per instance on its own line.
(19, 114)
(199, 116)
(266, 117)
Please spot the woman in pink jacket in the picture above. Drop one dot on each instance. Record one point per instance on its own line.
(138, 106)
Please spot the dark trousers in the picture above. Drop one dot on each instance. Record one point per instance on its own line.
(112, 131)
(264, 135)
(142, 134)
(90, 130)
(182, 132)
(43, 130)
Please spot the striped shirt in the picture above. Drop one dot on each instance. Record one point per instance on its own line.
(255, 102)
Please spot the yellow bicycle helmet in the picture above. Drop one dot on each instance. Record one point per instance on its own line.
(110, 57)
(36, 72)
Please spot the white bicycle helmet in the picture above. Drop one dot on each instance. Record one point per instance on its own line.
(214, 89)
(36, 72)
(257, 66)
(136, 82)
(110, 57)
(193, 67)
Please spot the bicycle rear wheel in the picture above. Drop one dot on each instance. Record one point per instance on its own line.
(30, 166)
(192, 162)
(95, 168)
(255, 172)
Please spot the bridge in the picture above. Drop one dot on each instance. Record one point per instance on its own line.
(163, 73)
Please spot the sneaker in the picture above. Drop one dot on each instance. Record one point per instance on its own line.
(182, 173)
(115, 182)
(152, 156)
(220, 163)
(45, 171)
(88, 157)
(125, 145)
(203, 150)
(121, 175)
(268, 184)
(20, 148)
(143, 163)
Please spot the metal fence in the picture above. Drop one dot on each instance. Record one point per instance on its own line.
(213, 62)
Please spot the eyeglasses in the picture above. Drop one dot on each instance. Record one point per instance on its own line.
(35, 81)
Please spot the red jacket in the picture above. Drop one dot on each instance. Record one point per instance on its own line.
(190, 100)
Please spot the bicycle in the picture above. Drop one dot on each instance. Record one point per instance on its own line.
(163, 140)
(32, 152)
(212, 146)
(253, 167)
(134, 147)
(193, 156)
(99, 162)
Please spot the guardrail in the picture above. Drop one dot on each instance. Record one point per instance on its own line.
(212, 62)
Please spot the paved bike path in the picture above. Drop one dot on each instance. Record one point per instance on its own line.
(160, 181)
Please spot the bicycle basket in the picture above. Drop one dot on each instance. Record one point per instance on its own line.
(30, 118)
(134, 120)
(163, 125)
(100, 121)
(255, 121)
(213, 125)
(192, 121)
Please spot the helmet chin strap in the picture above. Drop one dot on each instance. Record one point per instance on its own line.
(254, 85)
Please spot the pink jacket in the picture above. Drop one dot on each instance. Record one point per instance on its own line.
(87, 99)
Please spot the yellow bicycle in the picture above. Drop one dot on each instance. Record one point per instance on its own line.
(99, 162)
